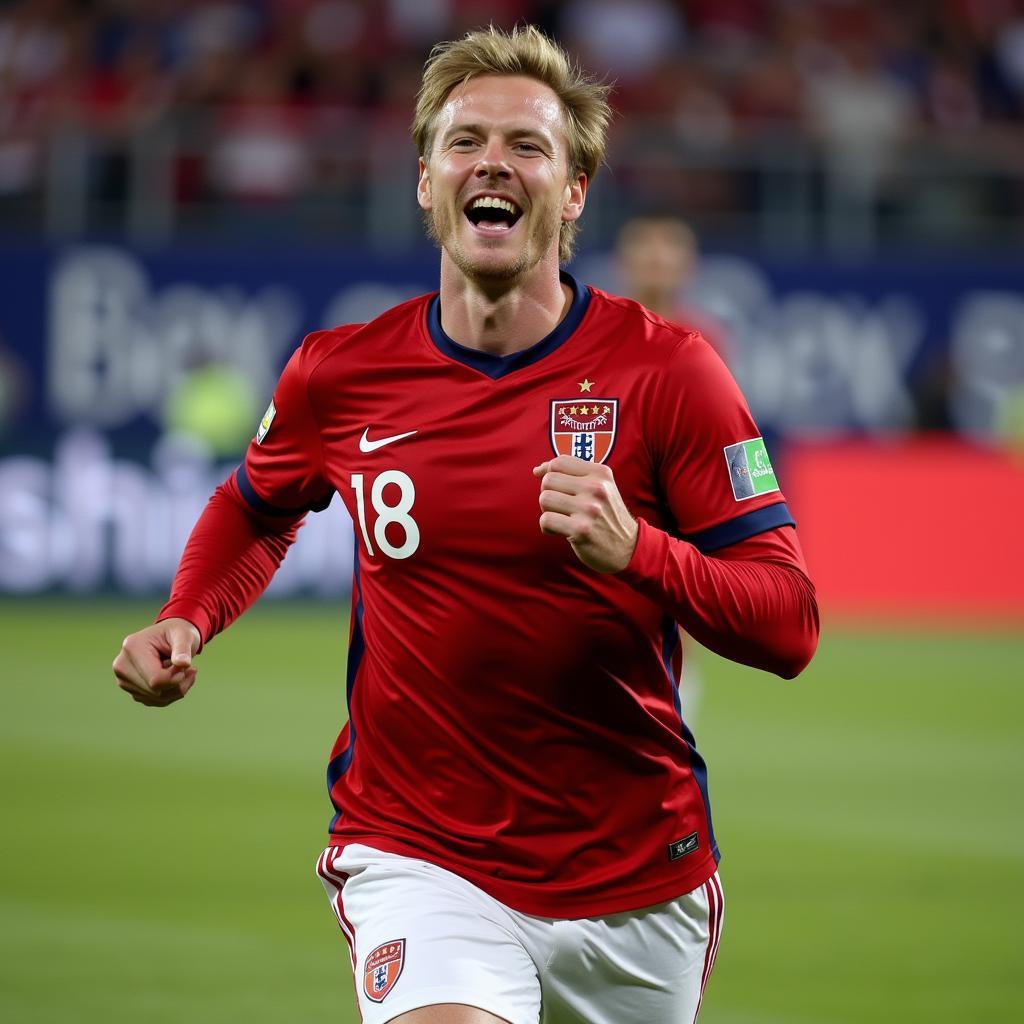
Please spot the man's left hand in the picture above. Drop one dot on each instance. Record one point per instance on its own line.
(582, 504)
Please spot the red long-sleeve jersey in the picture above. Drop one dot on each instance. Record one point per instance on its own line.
(513, 715)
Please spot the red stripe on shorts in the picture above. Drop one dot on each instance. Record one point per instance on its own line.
(717, 883)
(716, 903)
(337, 880)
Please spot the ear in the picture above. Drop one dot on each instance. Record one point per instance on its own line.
(423, 187)
(575, 198)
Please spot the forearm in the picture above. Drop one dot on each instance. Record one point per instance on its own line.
(230, 558)
(752, 602)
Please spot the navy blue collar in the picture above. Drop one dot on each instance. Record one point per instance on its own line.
(497, 366)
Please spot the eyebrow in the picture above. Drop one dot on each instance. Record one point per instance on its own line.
(514, 133)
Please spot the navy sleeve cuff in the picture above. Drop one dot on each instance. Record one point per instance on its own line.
(734, 530)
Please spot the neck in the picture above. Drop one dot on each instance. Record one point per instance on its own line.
(502, 317)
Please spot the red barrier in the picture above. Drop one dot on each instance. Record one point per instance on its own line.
(917, 529)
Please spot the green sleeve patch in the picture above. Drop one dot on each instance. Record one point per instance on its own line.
(268, 418)
(750, 469)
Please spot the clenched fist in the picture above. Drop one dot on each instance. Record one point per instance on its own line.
(582, 504)
(154, 665)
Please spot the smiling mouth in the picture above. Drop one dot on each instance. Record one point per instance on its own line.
(493, 215)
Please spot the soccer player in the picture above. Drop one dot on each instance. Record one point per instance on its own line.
(657, 257)
(544, 479)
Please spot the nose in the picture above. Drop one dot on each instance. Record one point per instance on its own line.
(492, 162)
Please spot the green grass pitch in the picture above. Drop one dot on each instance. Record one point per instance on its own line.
(158, 865)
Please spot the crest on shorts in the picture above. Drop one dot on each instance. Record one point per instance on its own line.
(382, 969)
(584, 427)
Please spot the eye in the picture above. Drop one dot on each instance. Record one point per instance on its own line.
(463, 143)
(527, 147)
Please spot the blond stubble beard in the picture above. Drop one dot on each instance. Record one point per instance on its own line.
(438, 228)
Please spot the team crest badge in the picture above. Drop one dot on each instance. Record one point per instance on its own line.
(382, 969)
(584, 427)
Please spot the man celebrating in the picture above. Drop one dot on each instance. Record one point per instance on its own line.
(522, 827)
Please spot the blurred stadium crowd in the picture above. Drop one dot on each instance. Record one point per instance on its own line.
(188, 186)
(826, 121)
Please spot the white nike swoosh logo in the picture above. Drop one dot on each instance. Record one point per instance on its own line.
(366, 445)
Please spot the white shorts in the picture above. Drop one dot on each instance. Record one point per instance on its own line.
(419, 935)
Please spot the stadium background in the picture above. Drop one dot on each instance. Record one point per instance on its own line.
(185, 188)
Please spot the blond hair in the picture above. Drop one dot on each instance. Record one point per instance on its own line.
(523, 51)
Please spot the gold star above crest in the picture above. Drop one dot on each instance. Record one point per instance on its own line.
(585, 385)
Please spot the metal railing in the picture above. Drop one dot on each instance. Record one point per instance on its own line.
(781, 191)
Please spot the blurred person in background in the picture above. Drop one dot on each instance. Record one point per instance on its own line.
(862, 115)
(260, 150)
(544, 479)
(37, 65)
(656, 256)
(829, 112)
(214, 404)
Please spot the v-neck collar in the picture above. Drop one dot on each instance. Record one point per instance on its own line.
(495, 366)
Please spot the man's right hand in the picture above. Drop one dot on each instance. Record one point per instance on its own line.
(154, 666)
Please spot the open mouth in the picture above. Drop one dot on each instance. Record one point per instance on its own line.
(492, 214)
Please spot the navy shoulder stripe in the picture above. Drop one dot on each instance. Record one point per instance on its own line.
(748, 525)
(265, 508)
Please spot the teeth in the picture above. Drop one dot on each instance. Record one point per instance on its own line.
(501, 204)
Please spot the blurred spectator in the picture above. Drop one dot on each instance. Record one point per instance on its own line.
(657, 257)
(950, 98)
(623, 38)
(214, 404)
(35, 44)
(769, 95)
(124, 95)
(420, 23)
(274, 99)
(261, 148)
(36, 49)
(212, 29)
(861, 113)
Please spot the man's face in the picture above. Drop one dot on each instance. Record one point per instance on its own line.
(495, 183)
(655, 256)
